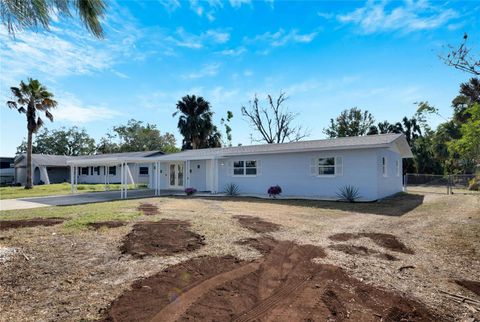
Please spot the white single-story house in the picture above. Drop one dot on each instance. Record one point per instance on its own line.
(48, 169)
(305, 169)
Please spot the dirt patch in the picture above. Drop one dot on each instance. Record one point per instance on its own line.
(106, 224)
(387, 241)
(257, 224)
(470, 285)
(148, 209)
(283, 285)
(362, 251)
(147, 296)
(14, 224)
(163, 238)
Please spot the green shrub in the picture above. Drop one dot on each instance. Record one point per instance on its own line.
(474, 185)
(348, 193)
(231, 189)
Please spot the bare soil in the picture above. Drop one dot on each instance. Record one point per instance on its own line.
(256, 224)
(14, 224)
(67, 273)
(283, 285)
(162, 238)
(362, 251)
(470, 285)
(106, 224)
(148, 209)
(388, 241)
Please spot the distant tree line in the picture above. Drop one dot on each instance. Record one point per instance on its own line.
(453, 147)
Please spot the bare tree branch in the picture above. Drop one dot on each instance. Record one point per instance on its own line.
(274, 123)
(461, 58)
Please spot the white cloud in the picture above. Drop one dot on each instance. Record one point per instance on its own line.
(281, 37)
(71, 109)
(207, 70)
(196, 41)
(247, 73)
(239, 3)
(233, 51)
(170, 5)
(407, 17)
(326, 15)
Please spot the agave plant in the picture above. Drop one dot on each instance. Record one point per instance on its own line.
(231, 189)
(348, 193)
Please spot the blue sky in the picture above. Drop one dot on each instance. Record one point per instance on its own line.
(327, 56)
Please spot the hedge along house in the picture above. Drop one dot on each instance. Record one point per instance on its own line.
(47, 169)
(306, 169)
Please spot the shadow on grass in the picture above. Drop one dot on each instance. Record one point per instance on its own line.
(397, 205)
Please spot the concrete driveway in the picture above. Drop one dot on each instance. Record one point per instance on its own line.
(72, 199)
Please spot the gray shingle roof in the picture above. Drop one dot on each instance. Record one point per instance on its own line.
(356, 142)
(61, 160)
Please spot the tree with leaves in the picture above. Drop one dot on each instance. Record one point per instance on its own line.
(351, 122)
(32, 98)
(385, 127)
(135, 136)
(195, 123)
(72, 141)
(274, 122)
(228, 129)
(33, 14)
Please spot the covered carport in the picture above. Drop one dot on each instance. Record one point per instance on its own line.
(125, 165)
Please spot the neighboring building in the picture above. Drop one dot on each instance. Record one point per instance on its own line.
(7, 172)
(48, 169)
(314, 169)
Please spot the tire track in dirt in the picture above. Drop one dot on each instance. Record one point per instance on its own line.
(176, 309)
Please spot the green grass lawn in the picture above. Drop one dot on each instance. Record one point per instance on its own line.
(78, 216)
(55, 189)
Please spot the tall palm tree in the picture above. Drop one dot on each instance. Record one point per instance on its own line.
(31, 99)
(20, 14)
(195, 122)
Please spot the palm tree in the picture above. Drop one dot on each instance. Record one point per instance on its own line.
(411, 129)
(31, 99)
(20, 14)
(195, 123)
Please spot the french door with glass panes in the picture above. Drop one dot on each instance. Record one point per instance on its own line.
(175, 175)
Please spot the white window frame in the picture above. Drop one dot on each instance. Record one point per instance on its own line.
(337, 166)
(244, 168)
(384, 167)
(143, 174)
(84, 174)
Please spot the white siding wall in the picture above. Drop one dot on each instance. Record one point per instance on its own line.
(391, 183)
(292, 172)
(100, 178)
(198, 175)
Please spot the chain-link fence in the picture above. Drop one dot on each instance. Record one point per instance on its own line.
(444, 184)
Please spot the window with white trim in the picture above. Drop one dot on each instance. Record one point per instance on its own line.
(245, 168)
(327, 166)
(143, 171)
(96, 170)
(384, 166)
(397, 164)
(84, 171)
(112, 170)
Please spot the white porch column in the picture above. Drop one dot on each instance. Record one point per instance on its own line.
(71, 178)
(121, 181)
(215, 175)
(187, 171)
(127, 171)
(159, 178)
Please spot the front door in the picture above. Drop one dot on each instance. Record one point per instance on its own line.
(176, 175)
